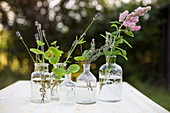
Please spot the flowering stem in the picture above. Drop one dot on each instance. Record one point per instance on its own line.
(72, 48)
(46, 41)
(86, 29)
(41, 39)
(27, 49)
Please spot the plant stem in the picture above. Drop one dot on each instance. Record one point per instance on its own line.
(46, 41)
(72, 48)
(86, 29)
(27, 49)
(41, 39)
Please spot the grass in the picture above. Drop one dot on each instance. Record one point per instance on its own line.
(155, 93)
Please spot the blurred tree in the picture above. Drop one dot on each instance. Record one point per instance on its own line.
(64, 19)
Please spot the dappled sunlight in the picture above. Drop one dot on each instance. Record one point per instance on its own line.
(3, 60)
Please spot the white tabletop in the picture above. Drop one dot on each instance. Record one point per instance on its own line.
(16, 99)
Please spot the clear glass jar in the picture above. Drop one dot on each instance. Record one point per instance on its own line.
(86, 87)
(40, 84)
(55, 81)
(110, 81)
(67, 91)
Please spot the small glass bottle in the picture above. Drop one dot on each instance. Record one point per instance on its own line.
(67, 91)
(40, 84)
(110, 81)
(86, 87)
(55, 81)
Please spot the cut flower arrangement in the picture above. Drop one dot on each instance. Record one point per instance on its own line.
(86, 82)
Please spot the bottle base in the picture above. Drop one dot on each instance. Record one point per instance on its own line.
(68, 104)
(116, 100)
(40, 101)
(86, 102)
(55, 99)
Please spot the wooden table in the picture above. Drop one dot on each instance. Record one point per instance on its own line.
(16, 99)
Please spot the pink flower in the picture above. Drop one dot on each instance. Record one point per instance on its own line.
(135, 28)
(123, 15)
(140, 11)
(128, 24)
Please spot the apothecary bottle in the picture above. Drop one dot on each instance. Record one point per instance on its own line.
(55, 81)
(67, 91)
(86, 86)
(40, 83)
(110, 80)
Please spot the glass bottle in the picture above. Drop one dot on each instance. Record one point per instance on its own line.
(86, 87)
(67, 91)
(55, 81)
(110, 80)
(40, 83)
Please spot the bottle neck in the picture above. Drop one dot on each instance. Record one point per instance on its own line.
(58, 65)
(86, 67)
(41, 67)
(111, 59)
(67, 77)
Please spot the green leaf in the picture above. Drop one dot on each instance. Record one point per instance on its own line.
(73, 68)
(108, 33)
(115, 32)
(117, 52)
(39, 43)
(123, 51)
(124, 57)
(85, 53)
(114, 25)
(61, 51)
(102, 36)
(55, 51)
(119, 41)
(36, 51)
(57, 47)
(54, 59)
(59, 71)
(81, 42)
(129, 33)
(107, 53)
(115, 22)
(79, 58)
(127, 43)
(54, 43)
(48, 54)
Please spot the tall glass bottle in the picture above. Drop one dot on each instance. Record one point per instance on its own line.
(86, 87)
(110, 80)
(40, 84)
(55, 81)
(67, 91)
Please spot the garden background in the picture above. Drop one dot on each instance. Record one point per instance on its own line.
(63, 20)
